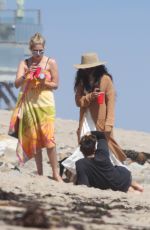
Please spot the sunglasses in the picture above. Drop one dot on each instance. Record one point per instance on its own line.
(37, 52)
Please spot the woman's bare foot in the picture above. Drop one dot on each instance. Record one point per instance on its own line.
(58, 178)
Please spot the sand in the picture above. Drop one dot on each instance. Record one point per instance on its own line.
(29, 201)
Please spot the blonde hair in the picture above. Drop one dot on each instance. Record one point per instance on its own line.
(36, 39)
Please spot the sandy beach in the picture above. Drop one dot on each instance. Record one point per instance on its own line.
(29, 201)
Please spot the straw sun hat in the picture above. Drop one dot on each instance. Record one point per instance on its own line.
(89, 60)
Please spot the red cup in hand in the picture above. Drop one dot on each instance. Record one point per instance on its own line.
(100, 98)
(37, 72)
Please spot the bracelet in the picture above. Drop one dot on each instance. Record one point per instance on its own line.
(23, 77)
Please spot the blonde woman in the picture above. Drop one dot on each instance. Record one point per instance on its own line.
(37, 77)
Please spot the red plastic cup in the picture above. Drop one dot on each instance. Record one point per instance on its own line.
(100, 98)
(37, 72)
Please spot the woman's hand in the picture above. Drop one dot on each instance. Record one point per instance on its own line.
(95, 93)
(108, 128)
(48, 84)
(33, 67)
(44, 82)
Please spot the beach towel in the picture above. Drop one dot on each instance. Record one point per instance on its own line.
(36, 120)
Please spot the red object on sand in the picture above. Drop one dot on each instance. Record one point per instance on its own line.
(100, 98)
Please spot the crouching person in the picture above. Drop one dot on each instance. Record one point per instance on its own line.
(96, 169)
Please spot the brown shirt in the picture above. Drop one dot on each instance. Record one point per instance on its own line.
(103, 114)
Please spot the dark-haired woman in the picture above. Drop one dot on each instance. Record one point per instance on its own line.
(93, 79)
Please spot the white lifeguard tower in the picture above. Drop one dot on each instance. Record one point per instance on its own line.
(16, 28)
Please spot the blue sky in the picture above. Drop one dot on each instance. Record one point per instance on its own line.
(119, 31)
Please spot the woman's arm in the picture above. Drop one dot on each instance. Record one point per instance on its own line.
(110, 105)
(82, 99)
(20, 76)
(53, 83)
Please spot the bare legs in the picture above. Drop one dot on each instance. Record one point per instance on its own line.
(51, 152)
(38, 161)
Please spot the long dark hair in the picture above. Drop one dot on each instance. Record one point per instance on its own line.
(90, 78)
